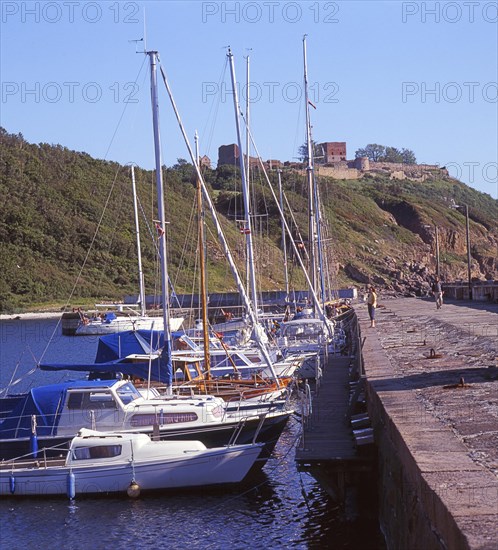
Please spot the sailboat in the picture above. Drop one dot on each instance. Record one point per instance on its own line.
(147, 360)
(129, 463)
(311, 330)
(110, 322)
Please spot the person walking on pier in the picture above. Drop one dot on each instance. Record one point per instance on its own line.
(437, 290)
(372, 305)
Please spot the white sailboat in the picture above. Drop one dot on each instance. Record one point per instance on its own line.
(98, 462)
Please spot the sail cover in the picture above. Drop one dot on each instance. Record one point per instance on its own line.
(117, 354)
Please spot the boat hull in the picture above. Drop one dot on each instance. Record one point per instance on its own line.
(211, 467)
(98, 328)
(215, 435)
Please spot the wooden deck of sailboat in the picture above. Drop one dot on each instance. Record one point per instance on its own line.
(328, 435)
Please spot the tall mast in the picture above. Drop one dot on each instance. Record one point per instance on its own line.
(245, 192)
(248, 164)
(141, 285)
(284, 242)
(221, 236)
(309, 175)
(161, 226)
(202, 261)
(319, 241)
(316, 301)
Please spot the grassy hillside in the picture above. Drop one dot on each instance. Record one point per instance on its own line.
(67, 231)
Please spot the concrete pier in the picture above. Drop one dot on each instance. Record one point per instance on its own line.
(432, 396)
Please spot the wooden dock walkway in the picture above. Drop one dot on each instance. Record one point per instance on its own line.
(327, 434)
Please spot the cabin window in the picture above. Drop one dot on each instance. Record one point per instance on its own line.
(128, 393)
(140, 420)
(90, 400)
(96, 451)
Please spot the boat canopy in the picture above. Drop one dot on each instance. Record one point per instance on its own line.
(46, 403)
(118, 354)
(121, 344)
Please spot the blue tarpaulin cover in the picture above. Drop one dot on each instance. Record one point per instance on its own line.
(113, 353)
(46, 403)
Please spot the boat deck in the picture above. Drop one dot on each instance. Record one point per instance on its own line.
(10, 465)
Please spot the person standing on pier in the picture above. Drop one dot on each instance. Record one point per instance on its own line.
(372, 305)
(437, 290)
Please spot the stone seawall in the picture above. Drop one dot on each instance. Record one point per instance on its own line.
(435, 419)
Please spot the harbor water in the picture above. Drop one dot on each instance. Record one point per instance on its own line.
(277, 508)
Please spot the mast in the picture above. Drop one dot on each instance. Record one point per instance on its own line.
(318, 307)
(202, 261)
(284, 242)
(248, 165)
(222, 239)
(141, 284)
(245, 192)
(248, 139)
(319, 240)
(309, 176)
(161, 224)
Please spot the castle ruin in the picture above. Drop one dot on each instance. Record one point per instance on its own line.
(331, 161)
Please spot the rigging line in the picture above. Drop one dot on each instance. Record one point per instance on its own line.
(186, 253)
(123, 112)
(99, 224)
(112, 235)
(299, 126)
(316, 301)
(154, 243)
(214, 105)
(6, 389)
(299, 236)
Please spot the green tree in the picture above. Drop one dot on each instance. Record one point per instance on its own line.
(302, 152)
(373, 151)
(392, 155)
(408, 156)
(382, 153)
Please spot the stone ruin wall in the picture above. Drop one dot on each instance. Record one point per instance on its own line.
(355, 169)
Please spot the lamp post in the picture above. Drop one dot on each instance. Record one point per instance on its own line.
(437, 250)
(469, 276)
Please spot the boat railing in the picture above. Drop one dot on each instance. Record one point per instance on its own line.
(240, 427)
(22, 424)
(31, 459)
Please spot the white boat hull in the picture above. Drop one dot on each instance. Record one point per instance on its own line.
(121, 324)
(192, 469)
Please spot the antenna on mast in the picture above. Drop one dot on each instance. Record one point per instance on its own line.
(145, 33)
(143, 39)
(136, 44)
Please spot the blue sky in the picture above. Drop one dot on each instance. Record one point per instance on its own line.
(420, 75)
